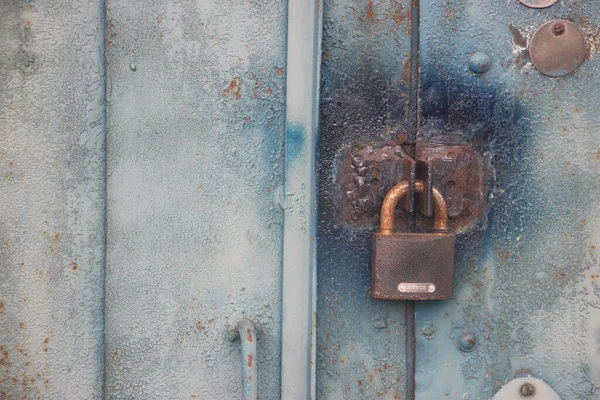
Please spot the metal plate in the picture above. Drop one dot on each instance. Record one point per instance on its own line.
(558, 48)
(538, 3)
(513, 390)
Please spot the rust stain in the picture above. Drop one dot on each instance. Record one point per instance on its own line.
(56, 238)
(234, 88)
(597, 157)
(250, 361)
(4, 359)
(249, 335)
(560, 275)
(279, 72)
(370, 12)
(74, 266)
(201, 328)
(45, 346)
(518, 37)
(1, 307)
(399, 14)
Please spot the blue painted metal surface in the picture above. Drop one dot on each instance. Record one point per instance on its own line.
(247, 333)
(300, 231)
(198, 146)
(51, 199)
(529, 283)
(195, 183)
(366, 64)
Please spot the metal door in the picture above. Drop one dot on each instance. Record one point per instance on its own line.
(161, 180)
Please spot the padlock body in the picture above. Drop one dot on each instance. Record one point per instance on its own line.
(413, 266)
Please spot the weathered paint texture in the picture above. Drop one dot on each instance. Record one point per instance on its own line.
(298, 285)
(528, 287)
(195, 175)
(360, 341)
(51, 199)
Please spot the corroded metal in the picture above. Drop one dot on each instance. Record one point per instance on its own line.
(400, 190)
(186, 247)
(247, 335)
(558, 48)
(52, 199)
(532, 263)
(538, 3)
(462, 172)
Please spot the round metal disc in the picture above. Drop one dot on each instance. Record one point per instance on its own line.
(512, 390)
(557, 48)
(538, 3)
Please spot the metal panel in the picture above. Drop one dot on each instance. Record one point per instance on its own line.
(360, 341)
(527, 288)
(51, 199)
(195, 175)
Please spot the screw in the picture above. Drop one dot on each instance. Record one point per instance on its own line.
(558, 28)
(467, 342)
(527, 389)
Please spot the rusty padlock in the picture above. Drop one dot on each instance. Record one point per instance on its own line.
(413, 266)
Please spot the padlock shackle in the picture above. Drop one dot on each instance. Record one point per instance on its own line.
(440, 209)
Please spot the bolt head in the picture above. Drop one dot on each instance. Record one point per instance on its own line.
(558, 28)
(467, 341)
(527, 389)
(480, 62)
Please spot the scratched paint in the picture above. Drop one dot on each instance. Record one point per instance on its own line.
(51, 199)
(360, 341)
(195, 171)
(528, 285)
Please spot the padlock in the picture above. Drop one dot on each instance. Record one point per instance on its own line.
(413, 266)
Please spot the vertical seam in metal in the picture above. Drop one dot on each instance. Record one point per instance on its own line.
(298, 348)
(103, 60)
(413, 129)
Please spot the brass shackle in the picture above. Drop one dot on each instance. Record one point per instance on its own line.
(440, 208)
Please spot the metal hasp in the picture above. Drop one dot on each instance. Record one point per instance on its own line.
(538, 3)
(558, 48)
(460, 171)
(526, 388)
(413, 266)
(247, 335)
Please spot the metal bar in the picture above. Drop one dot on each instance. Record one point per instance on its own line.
(411, 148)
(249, 360)
(300, 223)
(413, 108)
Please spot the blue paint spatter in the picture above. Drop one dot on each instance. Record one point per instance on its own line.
(294, 141)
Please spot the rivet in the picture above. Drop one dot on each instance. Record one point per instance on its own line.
(527, 389)
(480, 62)
(428, 331)
(379, 323)
(467, 342)
(558, 29)
(133, 67)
